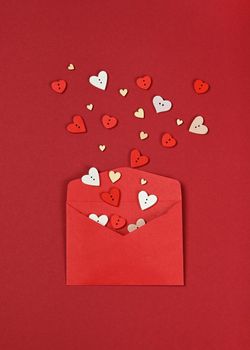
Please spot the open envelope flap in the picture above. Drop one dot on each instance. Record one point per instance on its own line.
(86, 199)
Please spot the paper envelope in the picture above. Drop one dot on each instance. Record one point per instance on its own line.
(101, 255)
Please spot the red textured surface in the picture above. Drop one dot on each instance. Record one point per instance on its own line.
(175, 42)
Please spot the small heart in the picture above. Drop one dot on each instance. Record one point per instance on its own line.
(146, 201)
(90, 106)
(112, 197)
(102, 148)
(71, 66)
(144, 82)
(117, 221)
(168, 141)
(59, 86)
(137, 160)
(139, 113)
(179, 122)
(102, 219)
(123, 92)
(78, 125)
(109, 122)
(92, 178)
(161, 105)
(100, 80)
(143, 135)
(139, 223)
(197, 126)
(200, 86)
(114, 176)
(143, 182)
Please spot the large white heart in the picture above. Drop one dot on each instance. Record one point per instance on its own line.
(161, 105)
(139, 223)
(92, 179)
(197, 126)
(100, 80)
(102, 219)
(146, 201)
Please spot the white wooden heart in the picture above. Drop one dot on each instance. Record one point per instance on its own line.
(92, 178)
(100, 80)
(145, 200)
(197, 126)
(102, 219)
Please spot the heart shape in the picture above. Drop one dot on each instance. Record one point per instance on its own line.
(99, 81)
(102, 148)
(112, 197)
(179, 122)
(78, 125)
(92, 179)
(109, 122)
(117, 221)
(71, 66)
(102, 219)
(143, 135)
(143, 182)
(90, 106)
(168, 140)
(114, 176)
(161, 105)
(144, 82)
(146, 201)
(200, 86)
(137, 160)
(139, 113)
(139, 223)
(59, 86)
(123, 92)
(197, 126)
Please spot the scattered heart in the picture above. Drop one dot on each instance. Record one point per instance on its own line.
(78, 125)
(139, 113)
(144, 82)
(137, 160)
(71, 66)
(123, 92)
(143, 135)
(112, 197)
(102, 148)
(90, 106)
(102, 219)
(146, 201)
(168, 140)
(114, 176)
(117, 221)
(200, 86)
(100, 80)
(92, 178)
(109, 122)
(143, 181)
(59, 86)
(179, 122)
(139, 223)
(197, 126)
(161, 105)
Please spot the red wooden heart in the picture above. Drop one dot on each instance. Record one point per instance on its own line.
(59, 86)
(144, 82)
(78, 125)
(168, 141)
(200, 86)
(109, 122)
(112, 197)
(117, 221)
(137, 160)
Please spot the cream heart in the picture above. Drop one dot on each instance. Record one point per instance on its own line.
(102, 147)
(139, 113)
(92, 179)
(102, 219)
(90, 106)
(143, 182)
(179, 122)
(161, 105)
(146, 201)
(197, 126)
(139, 223)
(123, 92)
(114, 175)
(143, 135)
(100, 80)
(71, 66)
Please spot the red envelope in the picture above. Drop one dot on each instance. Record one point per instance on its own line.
(101, 255)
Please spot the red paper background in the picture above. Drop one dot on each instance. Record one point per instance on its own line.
(175, 42)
